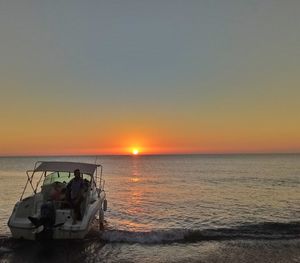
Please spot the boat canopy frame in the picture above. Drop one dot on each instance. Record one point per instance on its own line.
(56, 166)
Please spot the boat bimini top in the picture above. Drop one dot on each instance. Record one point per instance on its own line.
(85, 168)
(63, 172)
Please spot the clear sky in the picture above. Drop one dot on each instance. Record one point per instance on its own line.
(164, 76)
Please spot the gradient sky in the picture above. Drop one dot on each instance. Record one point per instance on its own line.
(166, 76)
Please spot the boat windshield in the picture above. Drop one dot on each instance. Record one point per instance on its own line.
(62, 177)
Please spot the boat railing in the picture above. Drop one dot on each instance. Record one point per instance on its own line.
(100, 182)
(30, 175)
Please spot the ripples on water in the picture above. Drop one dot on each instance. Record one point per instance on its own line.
(175, 202)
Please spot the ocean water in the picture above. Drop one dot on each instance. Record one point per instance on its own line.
(180, 208)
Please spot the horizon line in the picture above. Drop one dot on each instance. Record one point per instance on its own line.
(148, 154)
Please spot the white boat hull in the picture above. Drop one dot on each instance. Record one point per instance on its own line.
(22, 228)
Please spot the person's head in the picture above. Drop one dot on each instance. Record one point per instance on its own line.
(77, 173)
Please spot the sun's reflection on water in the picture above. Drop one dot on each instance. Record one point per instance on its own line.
(135, 179)
(134, 200)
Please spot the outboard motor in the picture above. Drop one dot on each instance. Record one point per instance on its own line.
(45, 223)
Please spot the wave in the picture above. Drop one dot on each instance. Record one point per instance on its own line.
(261, 231)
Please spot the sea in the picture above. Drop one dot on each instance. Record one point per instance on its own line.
(174, 208)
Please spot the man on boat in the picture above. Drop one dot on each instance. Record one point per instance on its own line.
(75, 191)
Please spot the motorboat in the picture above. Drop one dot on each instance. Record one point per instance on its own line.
(45, 211)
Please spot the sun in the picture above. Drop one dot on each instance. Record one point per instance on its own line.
(135, 151)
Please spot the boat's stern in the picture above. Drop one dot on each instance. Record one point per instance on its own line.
(18, 223)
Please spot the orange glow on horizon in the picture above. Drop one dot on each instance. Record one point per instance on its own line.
(137, 144)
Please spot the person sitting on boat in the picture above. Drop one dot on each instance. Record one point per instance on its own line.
(57, 192)
(75, 194)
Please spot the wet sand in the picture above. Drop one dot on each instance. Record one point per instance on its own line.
(95, 250)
